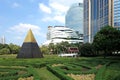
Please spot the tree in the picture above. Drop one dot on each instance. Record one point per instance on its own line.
(9, 49)
(14, 49)
(61, 47)
(44, 49)
(4, 46)
(4, 51)
(107, 39)
(64, 46)
(58, 48)
(51, 48)
(87, 50)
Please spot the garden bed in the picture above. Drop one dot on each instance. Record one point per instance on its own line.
(82, 76)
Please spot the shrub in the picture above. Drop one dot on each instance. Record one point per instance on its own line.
(4, 51)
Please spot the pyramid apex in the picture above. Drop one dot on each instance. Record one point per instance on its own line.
(30, 29)
(30, 37)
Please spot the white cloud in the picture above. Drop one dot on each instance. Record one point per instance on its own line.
(15, 5)
(58, 9)
(44, 8)
(60, 19)
(22, 28)
(66, 3)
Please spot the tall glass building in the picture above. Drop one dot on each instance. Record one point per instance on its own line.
(99, 13)
(74, 18)
(117, 14)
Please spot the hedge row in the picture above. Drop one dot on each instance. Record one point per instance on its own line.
(83, 65)
(100, 73)
(11, 69)
(33, 73)
(73, 67)
(14, 77)
(58, 73)
(13, 73)
(38, 65)
(81, 72)
(69, 68)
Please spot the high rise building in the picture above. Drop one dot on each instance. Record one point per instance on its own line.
(2, 41)
(117, 14)
(59, 34)
(99, 13)
(74, 18)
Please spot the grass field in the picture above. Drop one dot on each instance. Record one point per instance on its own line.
(52, 67)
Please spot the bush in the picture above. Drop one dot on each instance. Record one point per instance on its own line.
(4, 51)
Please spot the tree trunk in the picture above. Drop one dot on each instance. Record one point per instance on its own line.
(105, 53)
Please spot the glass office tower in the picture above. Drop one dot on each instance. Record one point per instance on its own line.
(117, 14)
(74, 18)
(99, 13)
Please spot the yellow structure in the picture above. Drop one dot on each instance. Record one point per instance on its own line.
(30, 37)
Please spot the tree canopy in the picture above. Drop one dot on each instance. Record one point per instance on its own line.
(107, 39)
(9, 48)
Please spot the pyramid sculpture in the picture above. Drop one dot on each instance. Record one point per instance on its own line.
(30, 48)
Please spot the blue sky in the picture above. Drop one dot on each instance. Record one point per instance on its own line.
(18, 16)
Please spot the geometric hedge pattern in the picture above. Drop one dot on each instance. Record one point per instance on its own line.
(62, 68)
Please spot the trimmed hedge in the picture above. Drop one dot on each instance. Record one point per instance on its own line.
(33, 73)
(13, 73)
(100, 73)
(39, 65)
(58, 73)
(14, 77)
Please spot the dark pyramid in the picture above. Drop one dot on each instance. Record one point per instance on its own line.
(30, 48)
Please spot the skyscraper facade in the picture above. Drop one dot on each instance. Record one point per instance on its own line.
(117, 14)
(74, 18)
(99, 13)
